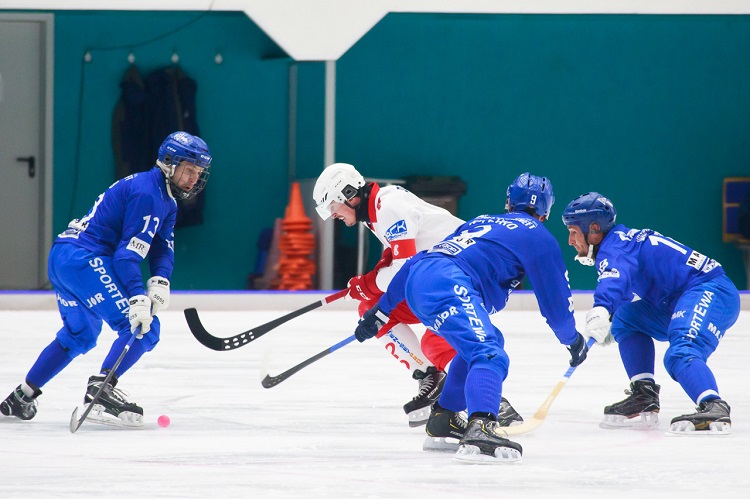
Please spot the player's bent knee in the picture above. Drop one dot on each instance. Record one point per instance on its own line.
(150, 339)
(497, 361)
(77, 343)
(678, 357)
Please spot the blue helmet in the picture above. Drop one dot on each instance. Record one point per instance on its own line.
(530, 191)
(590, 208)
(179, 147)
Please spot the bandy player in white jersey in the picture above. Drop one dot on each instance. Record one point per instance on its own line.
(405, 225)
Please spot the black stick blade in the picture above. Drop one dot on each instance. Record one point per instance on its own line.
(271, 381)
(210, 341)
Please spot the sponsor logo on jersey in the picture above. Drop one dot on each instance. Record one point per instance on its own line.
(97, 265)
(714, 330)
(605, 273)
(445, 247)
(396, 230)
(139, 246)
(710, 265)
(699, 314)
(696, 260)
(678, 315)
(65, 303)
(475, 323)
(442, 316)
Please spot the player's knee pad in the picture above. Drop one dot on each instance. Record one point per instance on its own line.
(79, 340)
(678, 356)
(496, 360)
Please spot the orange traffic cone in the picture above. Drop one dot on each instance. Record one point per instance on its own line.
(296, 264)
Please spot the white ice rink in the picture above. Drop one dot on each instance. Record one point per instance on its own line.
(336, 429)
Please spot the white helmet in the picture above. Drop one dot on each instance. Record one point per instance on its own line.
(339, 182)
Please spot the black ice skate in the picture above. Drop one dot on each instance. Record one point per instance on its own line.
(711, 418)
(484, 443)
(507, 416)
(639, 410)
(430, 385)
(19, 405)
(444, 429)
(111, 407)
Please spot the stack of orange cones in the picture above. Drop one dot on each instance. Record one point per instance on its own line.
(297, 245)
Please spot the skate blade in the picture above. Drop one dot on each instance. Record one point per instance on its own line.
(419, 417)
(643, 421)
(440, 444)
(124, 420)
(470, 454)
(687, 429)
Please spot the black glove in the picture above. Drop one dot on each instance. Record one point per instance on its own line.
(370, 323)
(578, 351)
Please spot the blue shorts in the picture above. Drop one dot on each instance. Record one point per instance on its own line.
(693, 328)
(88, 294)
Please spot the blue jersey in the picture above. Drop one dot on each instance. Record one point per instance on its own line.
(132, 219)
(649, 265)
(497, 252)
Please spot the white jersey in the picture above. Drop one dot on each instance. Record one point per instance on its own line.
(406, 224)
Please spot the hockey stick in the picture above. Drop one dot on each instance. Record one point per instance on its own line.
(271, 381)
(241, 339)
(76, 423)
(538, 418)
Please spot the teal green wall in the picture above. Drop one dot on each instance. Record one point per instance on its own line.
(652, 111)
(242, 107)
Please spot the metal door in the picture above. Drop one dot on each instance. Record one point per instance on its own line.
(25, 149)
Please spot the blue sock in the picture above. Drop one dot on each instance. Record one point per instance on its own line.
(483, 388)
(637, 353)
(453, 396)
(698, 382)
(53, 359)
(136, 351)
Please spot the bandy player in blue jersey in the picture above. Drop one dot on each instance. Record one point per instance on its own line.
(651, 288)
(94, 267)
(454, 287)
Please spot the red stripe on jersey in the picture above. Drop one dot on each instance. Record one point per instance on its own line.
(372, 210)
(403, 248)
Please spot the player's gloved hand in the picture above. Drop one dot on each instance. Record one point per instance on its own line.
(158, 293)
(578, 351)
(598, 324)
(363, 287)
(140, 314)
(370, 324)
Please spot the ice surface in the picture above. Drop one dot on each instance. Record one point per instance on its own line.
(336, 428)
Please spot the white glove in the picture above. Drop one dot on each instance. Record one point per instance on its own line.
(598, 325)
(140, 314)
(158, 293)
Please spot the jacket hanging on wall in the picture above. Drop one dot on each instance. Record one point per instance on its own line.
(145, 115)
(130, 127)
